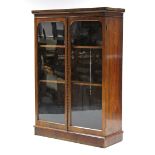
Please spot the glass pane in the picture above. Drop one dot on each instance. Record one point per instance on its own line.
(51, 102)
(51, 63)
(86, 33)
(86, 74)
(86, 106)
(51, 72)
(87, 65)
(51, 33)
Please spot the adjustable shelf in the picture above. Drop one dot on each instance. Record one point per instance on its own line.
(89, 47)
(86, 83)
(73, 82)
(53, 46)
(52, 81)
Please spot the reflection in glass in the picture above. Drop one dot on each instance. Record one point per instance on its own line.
(51, 102)
(51, 72)
(87, 65)
(87, 106)
(86, 74)
(51, 33)
(51, 63)
(86, 33)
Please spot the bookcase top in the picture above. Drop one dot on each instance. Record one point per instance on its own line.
(79, 10)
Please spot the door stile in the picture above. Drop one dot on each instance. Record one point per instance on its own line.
(36, 70)
(66, 75)
(104, 71)
(69, 75)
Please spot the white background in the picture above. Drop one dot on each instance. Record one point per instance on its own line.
(17, 79)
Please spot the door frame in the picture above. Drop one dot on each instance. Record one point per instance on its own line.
(38, 122)
(78, 129)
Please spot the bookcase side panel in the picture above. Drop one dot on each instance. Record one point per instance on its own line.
(113, 48)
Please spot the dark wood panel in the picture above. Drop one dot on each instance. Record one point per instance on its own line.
(113, 47)
(50, 124)
(83, 130)
(79, 138)
(49, 19)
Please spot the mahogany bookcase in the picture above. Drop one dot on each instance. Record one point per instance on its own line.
(78, 74)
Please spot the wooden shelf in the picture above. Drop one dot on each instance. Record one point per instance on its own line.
(73, 82)
(86, 83)
(78, 47)
(94, 47)
(52, 81)
(53, 46)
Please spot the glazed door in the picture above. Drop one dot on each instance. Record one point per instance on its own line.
(85, 82)
(51, 53)
(69, 76)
